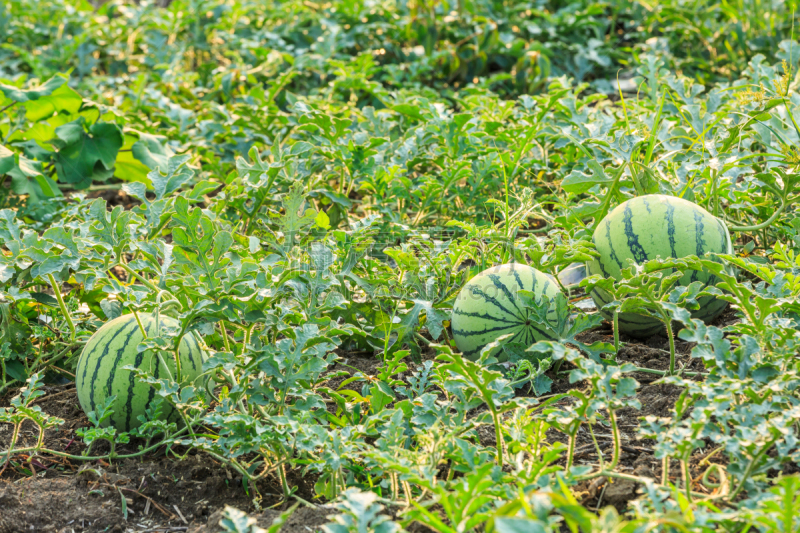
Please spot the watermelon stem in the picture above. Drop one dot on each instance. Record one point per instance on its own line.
(164, 363)
(139, 321)
(671, 338)
(665, 372)
(63, 307)
(687, 479)
(618, 475)
(597, 447)
(423, 339)
(134, 274)
(612, 417)
(225, 337)
(746, 476)
(247, 332)
(570, 451)
(40, 450)
(764, 224)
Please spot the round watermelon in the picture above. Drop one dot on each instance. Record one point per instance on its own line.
(651, 226)
(488, 307)
(100, 371)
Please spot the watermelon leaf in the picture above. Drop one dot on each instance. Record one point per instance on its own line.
(564, 327)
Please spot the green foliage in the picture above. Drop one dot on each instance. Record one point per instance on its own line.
(360, 514)
(306, 186)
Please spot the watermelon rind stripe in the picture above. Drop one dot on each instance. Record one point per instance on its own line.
(192, 352)
(151, 394)
(699, 241)
(511, 297)
(492, 300)
(671, 229)
(485, 331)
(639, 255)
(90, 346)
(131, 380)
(611, 246)
(519, 280)
(484, 316)
(99, 362)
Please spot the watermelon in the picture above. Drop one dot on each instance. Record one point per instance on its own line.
(651, 226)
(100, 372)
(488, 307)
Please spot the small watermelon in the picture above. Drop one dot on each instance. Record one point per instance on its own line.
(100, 371)
(651, 226)
(488, 307)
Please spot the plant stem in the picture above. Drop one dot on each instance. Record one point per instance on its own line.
(671, 338)
(597, 447)
(225, 336)
(284, 484)
(570, 452)
(246, 341)
(687, 479)
(63, 307)
(764, 224)
(172, 436)
(750, 467)
(612, 417)
(630, 477)
(146, 283)
(498, 433)
(666, 372)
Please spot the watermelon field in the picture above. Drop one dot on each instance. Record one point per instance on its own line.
(385, 266)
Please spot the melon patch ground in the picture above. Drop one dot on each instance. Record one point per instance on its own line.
(311, 190)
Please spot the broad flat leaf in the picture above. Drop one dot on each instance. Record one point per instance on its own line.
(44, 131)
(152, 151)
(322, 220)
(34, 93)
(409, 110)
(111, 308)
(33, 150)
(6, 273)
(16, 370)
(26, 176)
(7, 160)
(85, 157)
(63, 99)
(51, 97)
(127, 168)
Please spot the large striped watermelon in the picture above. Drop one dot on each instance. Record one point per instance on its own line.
(646, 227)
(100, 372)
(488, 306)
